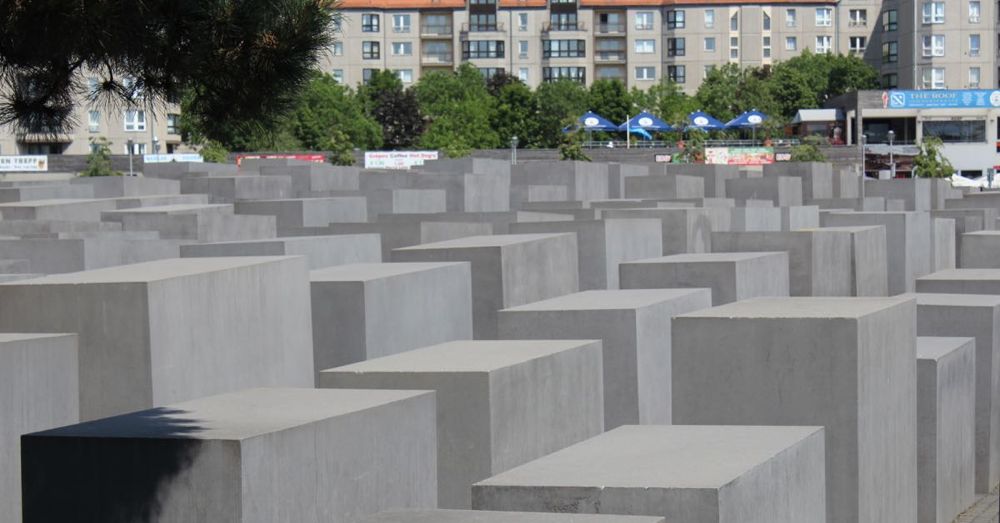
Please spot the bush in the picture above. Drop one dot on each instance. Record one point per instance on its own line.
(214, 152)
(343, 153)
(99, 160)
(929, 163)
(571, 149)
(808, 150)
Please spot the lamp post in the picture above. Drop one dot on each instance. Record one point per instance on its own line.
(513, 150)
(892, 158)
(130, 144)
(864, 138)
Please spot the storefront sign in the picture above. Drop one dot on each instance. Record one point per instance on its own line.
(739, 155)
(315, 158)
(941, 98)
(177, 157)
(663, 158)
(24, 163)
(397, 159)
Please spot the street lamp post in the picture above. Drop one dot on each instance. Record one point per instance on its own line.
(513, 150)
(864, 138)
(892, 158)
(130, 144)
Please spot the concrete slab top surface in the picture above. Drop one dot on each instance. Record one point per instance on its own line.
(293, 239)
(609, 299)
(174, 208)
(360, 196)
(153, 271)
(374, 271)
(499, 240)
(799, 307)
(963, 275)
(7, 337)
(465, 356)
(486, 516)
(937, 347)
(51, 202)
(846, 228)
(982, 233)
(708, 257)
(658, 456)
(236, 415)
(956, 300)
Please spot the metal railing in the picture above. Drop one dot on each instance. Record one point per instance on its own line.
(436, 30)
(610, 28)
(563, 26)
(610, 56)
(482, 28)
(437, 58)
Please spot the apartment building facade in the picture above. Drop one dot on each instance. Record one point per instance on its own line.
(915, 44)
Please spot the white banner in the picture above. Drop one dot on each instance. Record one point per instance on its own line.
(397, 159)
(176, 157)
(24, 163)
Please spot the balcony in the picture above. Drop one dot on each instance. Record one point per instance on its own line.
(567, 26)
(437, 59)
(857, 23)
(436, 31)
(610, 57)
(483, 28)
(610, 29)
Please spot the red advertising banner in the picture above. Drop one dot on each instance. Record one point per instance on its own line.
(315, 158)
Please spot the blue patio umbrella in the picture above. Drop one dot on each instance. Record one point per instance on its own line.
(748, 120)
(592, 121)
(647, 122)
(703, 121)
(641, 132)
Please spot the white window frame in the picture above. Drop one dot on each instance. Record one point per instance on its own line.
(977, 49)
(337, 49)
(734, 48)
(400, 75)
(765, 20)
(791, 40)
(522, 74)
(94, 121)
(861, 20)
(645, 69)
(338, 75)
(400, 49)
(522, 21)
(705, 46)
(932, 13)
(765, 46)
(398, 27)
(857, 49)
(134, 121)
(522, 48)
(824, 44)
(931, 79)
(826, 20)
(709, 18)
(975, 14)
(932, 46)
(791, 17)
(645, 25)
(645, 46)
(978, 76)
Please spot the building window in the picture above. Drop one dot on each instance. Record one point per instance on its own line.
(551, 74)
(371, 50)
(676, 73)
(402, 48)
(489, 2)
(766, 21)
(766, 47)
(369, 23)
(401, 23)
(957, 131)
(890, 81)
(734, 47)
(482, 49)
(709, 18)
(974, 11)
(675, 19)
(435, 24)
(974, 76)
(137, 148)
(338, 49)
(522, 48)
(824, 17)
(858, 17)
(522, 21)
(135, 120)
(338, 75)
(645, 73)
(564, 48)
(367, 74)
(933, 13)
(933, 45)
(94, 121)
(790, 17)
(734, 22)
(708, 70)
(709, 44)
(824, 44)
(857, 44)
(645, 46)
(932, 78)
(889, 22)
(490, 72)
(675, 47)
(405, 75)
(482, 22)
(890, 52)
(173, 124)
(522, 74)
(563, 22)
(974, 45)
(644, 21)
(791, 43)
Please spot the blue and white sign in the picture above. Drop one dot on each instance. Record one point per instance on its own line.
(173, 157)
(942, 99)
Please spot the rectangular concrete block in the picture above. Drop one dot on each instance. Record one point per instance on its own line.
(581, 180)
(732, 276)
(507, 270)
(683, 473)
(369, 310)
(45, 192)
(714, 176)
(782, 190)
(395, 235)
(320, 251)
(229, 189)
(171, 330)
(487, 516)
(684, 229)
(915, 193)
(869, 259)
(946, 377)
(848, 364)
(967, 220)
(756, 218)
(634, 328)
(665, 186)
(619, 172)
(943, 253)
(981, 250)
(603, 244)
(817, 177)
(976, 316)
(908, 242)
(83, 210)
(961, 281)
(38, 391)
(799, 217)
(311, 178)
(308, 212)
(258, 455)
(122, 186)
(51, 255)
(500, 403)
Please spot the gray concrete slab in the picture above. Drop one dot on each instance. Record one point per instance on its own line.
(684, 229)
(488, 516)
(732, 276)
(320, 251)
(908, 243)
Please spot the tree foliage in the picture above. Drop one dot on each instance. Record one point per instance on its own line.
(325, 107)
(929, 163)
(458, 108)
(395, 109)
(516, 114)
(808, 150)
(244, 61)
(558, 102)
(610, 99)
(99, 159)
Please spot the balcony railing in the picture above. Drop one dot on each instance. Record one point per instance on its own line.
(437, 59)
(401, 29)
(610, 28)
(858, 23)
(563, 26)
(610, 56)
(436, 30)
(482, 28)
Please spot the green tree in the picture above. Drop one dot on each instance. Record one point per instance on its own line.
(326, 106)
(610, 99)
(243, 60)
(929, 163)
(516, 114)
(99, 159)
(396, 110)
(666, 100)
(571, 147)
(459, 110)
(809, 80)
(214, 152)
(718, 94)
(808, 150)
(341, 151)
(558, 102)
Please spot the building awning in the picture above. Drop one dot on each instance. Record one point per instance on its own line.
(44, 138)
(818, 115)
